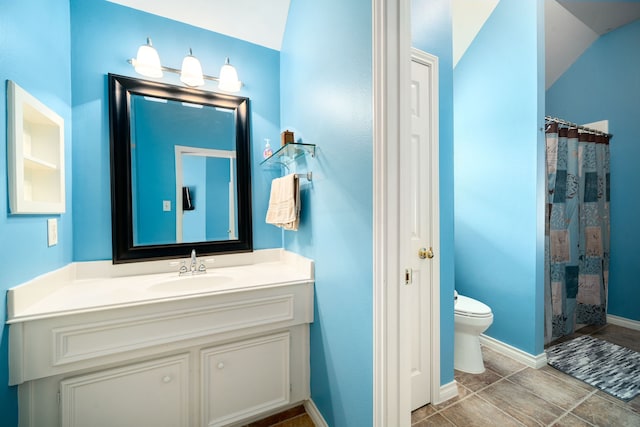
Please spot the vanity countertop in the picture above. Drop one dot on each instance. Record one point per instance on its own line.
(98, 285)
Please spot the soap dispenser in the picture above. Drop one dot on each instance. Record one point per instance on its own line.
(267, 149)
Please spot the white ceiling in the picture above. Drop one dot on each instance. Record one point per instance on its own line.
(571, 26)
(603, 16)
(468, 18)
(256, 21)
(566, 38)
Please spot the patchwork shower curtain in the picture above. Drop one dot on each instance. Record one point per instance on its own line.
(577, 230)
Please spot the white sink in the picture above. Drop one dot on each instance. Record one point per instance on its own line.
(191, 283)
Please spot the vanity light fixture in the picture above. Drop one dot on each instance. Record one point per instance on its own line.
(229, 78)
(147, 63)
(191, 73)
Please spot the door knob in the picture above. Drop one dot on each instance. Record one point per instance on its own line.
(425, 253)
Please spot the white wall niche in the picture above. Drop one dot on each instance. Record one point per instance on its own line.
(36, 155)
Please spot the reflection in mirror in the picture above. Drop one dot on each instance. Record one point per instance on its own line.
(205, 179)
(180, 171)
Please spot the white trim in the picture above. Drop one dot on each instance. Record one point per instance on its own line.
(624, 322)
(206, 152)
(431, 61)
(202, 152)
(516, 354)
(446, 392)
(391, 72)
(314, 414)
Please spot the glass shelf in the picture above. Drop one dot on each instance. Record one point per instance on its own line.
(288, 153)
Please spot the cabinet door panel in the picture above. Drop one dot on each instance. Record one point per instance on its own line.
(153, 393)
(244, 378)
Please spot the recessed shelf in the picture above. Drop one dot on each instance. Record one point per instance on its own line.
(38, 164)
(36, 155)
(289, 153)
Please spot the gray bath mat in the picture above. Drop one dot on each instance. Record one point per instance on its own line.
(609, 367)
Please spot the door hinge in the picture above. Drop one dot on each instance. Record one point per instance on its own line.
(408, 276)
(58, 397)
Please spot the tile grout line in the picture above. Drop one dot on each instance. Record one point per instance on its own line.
(476, 393)
(580, 402)
(568, 411)
(439, 411)
(500, 409)
(564, 411)
(472, 392)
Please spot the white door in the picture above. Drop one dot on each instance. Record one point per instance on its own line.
(419, 221)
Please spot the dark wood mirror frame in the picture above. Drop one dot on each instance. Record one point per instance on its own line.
(120, 90)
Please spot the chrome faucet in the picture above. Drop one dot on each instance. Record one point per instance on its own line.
(193, 268)
(194, 261)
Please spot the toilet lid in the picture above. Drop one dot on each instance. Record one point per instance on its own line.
(471, 307)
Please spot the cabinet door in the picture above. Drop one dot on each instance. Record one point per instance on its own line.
(153, 393)
(244, 379)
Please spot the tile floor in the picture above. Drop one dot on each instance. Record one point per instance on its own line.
(294, 417)
(511, 394)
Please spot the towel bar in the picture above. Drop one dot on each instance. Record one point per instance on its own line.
(308, 175)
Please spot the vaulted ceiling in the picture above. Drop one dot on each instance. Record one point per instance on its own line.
(571, 26)
(260, 22)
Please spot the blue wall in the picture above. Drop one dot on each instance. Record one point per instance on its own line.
(326, 95)
(604, 84)
(217, 206)
(431, 32)
(497, 169)
(34, 53)
(194, 223)
(105, 35)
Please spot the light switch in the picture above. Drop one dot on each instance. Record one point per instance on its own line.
(52, 231)
(166, 205)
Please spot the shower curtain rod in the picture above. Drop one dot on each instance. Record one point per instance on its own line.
(575, 125)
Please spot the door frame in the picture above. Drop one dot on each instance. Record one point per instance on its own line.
(391, 103)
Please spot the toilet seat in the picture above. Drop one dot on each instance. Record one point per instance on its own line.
(470, 307)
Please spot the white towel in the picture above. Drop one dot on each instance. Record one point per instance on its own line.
(284, 203)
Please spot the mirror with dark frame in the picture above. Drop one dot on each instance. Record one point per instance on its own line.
(180, 171)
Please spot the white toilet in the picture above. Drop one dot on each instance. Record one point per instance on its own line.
(471, 318)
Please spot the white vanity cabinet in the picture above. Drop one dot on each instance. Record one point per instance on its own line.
(153, 393)
(223, 357)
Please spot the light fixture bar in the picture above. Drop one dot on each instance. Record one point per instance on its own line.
(176, 71)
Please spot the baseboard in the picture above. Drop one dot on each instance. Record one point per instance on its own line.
(314, 414)
(521, 356)
(447, 391)
(624, 322)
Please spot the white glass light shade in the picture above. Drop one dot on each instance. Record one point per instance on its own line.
(228, 80)
(191, 73)
(147, 61)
